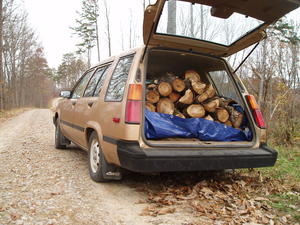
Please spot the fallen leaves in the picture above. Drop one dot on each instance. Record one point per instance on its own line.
(232, 198)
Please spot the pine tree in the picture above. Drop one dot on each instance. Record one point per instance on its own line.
(87, 28)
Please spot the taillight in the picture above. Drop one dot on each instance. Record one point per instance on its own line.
(256, 112)
(134, 104)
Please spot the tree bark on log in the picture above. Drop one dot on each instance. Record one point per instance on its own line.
(150, 107)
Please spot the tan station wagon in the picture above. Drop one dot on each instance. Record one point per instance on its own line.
(111, 114)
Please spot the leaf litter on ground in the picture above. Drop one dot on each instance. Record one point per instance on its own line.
(223, 198)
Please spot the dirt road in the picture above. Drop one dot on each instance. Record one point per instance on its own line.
(42, 185)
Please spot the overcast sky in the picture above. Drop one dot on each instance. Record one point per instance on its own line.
(52, 20)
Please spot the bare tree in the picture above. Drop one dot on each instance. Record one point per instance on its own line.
(106, 12)
(171, 27)
(1, 55)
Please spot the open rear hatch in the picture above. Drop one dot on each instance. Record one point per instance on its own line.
(205, 25)
(219, 28)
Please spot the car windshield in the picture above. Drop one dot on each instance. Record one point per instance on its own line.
(195, 21)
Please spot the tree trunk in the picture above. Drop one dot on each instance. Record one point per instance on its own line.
(108, 27)
(192, 21)
(171, 26)
(1, 55)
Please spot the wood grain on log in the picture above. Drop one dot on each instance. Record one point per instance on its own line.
(164, 88)
(198, 87)
(192, 75)
(174, 96)
(195, 111)
(165, 105)
(222, 114)
(178, 85)
(188, 97)
(152, 96)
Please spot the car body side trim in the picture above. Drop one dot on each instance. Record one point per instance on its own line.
(72, 125)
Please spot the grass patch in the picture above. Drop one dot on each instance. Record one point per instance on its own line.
(287, 165)
(287, 170)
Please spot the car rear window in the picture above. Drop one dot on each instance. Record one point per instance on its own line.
(118, 80)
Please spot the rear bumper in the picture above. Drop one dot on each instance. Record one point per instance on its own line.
(134, 158)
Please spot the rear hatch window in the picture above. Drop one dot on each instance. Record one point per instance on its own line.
(195, 21)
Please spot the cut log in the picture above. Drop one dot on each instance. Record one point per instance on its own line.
(152, 86)
(235, 117)
(210, 91)
(208, 117)
(202, 98)
(228, 123)
(165, 105)
(198, 87)
(152, 96)
(222, 114)
(225, 102)
(164, 88)
(174, 96)
(178, 113)
(150, 107)
(195, 111)
(188, 97)
(192, 75)
(211, 106)
(178, 85)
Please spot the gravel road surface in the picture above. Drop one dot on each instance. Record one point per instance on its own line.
(42, 185)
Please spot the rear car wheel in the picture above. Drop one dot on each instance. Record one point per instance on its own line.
(100, 170)
(59, 138)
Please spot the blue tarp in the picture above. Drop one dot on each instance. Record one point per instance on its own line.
(160, 125)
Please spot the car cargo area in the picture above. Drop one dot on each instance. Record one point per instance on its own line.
(192, 100)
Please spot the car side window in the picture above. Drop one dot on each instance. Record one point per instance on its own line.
(101, 80)
(94, 81)
(118, 80)
(79, 89)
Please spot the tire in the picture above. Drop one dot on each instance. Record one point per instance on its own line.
(59, 138)
(97, 163)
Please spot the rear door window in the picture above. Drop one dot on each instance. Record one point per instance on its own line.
(79, 89)
(224, 84)
(96, 81)
(118, 80)
(104, 72)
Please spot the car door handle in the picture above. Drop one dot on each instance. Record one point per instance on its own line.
(73, 102)
(90, 104)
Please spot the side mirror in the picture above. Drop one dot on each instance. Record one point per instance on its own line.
(65, 94)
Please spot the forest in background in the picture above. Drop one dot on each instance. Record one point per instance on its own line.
(271, 73)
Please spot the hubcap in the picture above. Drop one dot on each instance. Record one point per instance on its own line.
(95, 156)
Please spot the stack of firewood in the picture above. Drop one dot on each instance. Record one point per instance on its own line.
(189, 97)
